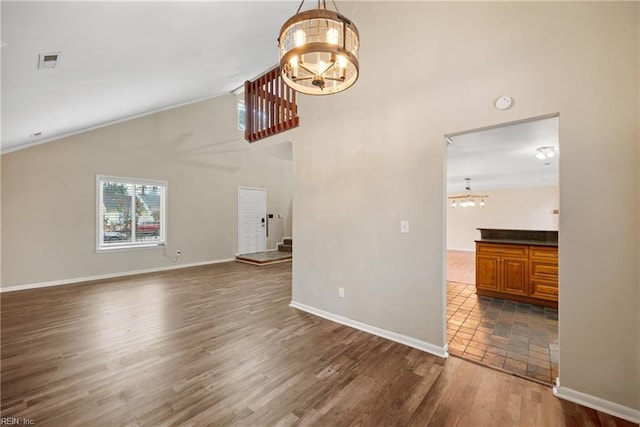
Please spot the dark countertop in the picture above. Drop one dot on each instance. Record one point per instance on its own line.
(519, 237)
(519, 242)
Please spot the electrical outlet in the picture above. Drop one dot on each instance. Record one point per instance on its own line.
(341, 292)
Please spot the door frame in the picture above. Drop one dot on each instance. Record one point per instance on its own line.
(445, 201)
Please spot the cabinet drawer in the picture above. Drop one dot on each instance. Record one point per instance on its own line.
(544, 290)
(544, 253)
(544, 269)
(510, 250)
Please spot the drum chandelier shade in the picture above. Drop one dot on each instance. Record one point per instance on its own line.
(319, 52)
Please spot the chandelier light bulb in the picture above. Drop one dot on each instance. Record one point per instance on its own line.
(342, 61)
(540, 155)
(482, 203)
(300, 37)
(453, 204)
(333, 36)
(294, 65)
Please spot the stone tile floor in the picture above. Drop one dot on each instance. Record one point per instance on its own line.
(516, 337)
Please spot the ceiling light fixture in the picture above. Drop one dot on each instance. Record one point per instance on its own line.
(544, 153)
(467, 200)
(319, 51)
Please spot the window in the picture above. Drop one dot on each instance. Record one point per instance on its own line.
(241, 125)
(131, 213)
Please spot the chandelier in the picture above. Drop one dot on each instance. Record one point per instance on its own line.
(467, 200)
(319, 51)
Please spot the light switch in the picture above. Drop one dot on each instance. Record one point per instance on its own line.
(404, 226)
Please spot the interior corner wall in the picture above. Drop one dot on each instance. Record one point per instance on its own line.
(49, 193)
(369, 157)
(527, 208)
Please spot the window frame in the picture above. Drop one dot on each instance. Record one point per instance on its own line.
(101, 245)
(242, 124)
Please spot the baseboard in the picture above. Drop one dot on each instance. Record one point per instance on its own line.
(393, 336)
(108, 276)
(596, 403)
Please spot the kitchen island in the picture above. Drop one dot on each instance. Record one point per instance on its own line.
(519, 265)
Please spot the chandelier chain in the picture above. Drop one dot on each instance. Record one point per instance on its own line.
(336, 6)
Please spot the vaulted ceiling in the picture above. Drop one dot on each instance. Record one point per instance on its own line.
(119, 60)
(122, 59)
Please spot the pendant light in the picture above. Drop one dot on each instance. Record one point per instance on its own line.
(319, 51)
(468, 199)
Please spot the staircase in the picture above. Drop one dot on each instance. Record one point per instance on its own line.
(286, 245)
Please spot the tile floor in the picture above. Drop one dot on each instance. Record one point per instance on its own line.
(519, 338)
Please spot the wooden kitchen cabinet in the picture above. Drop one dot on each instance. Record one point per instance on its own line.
(543, 273)
(518, 272)
(502, 268)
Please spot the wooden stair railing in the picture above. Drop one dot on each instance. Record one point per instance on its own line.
(270, 106)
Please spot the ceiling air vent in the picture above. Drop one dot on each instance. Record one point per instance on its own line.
(48, 60)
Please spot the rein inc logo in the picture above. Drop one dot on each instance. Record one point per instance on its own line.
(16, 422)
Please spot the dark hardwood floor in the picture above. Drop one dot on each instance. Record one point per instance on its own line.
(219, 345)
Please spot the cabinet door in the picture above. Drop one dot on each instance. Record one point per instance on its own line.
(515, 276)
(487, 272)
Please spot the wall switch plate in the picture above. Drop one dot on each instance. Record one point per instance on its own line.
(404, 226)
(341, 292)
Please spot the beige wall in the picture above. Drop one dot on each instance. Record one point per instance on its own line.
(528, 208)
(49, 200)
(369, 157)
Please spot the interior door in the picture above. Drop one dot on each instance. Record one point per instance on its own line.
(252, 220)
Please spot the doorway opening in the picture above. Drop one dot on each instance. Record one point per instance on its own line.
(502, 225)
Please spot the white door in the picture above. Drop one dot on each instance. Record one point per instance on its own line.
(252, 220)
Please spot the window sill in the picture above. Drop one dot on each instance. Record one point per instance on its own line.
(120, 248)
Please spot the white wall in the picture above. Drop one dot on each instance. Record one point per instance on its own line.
(373, 155)
(49, 200)
(528, 208)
